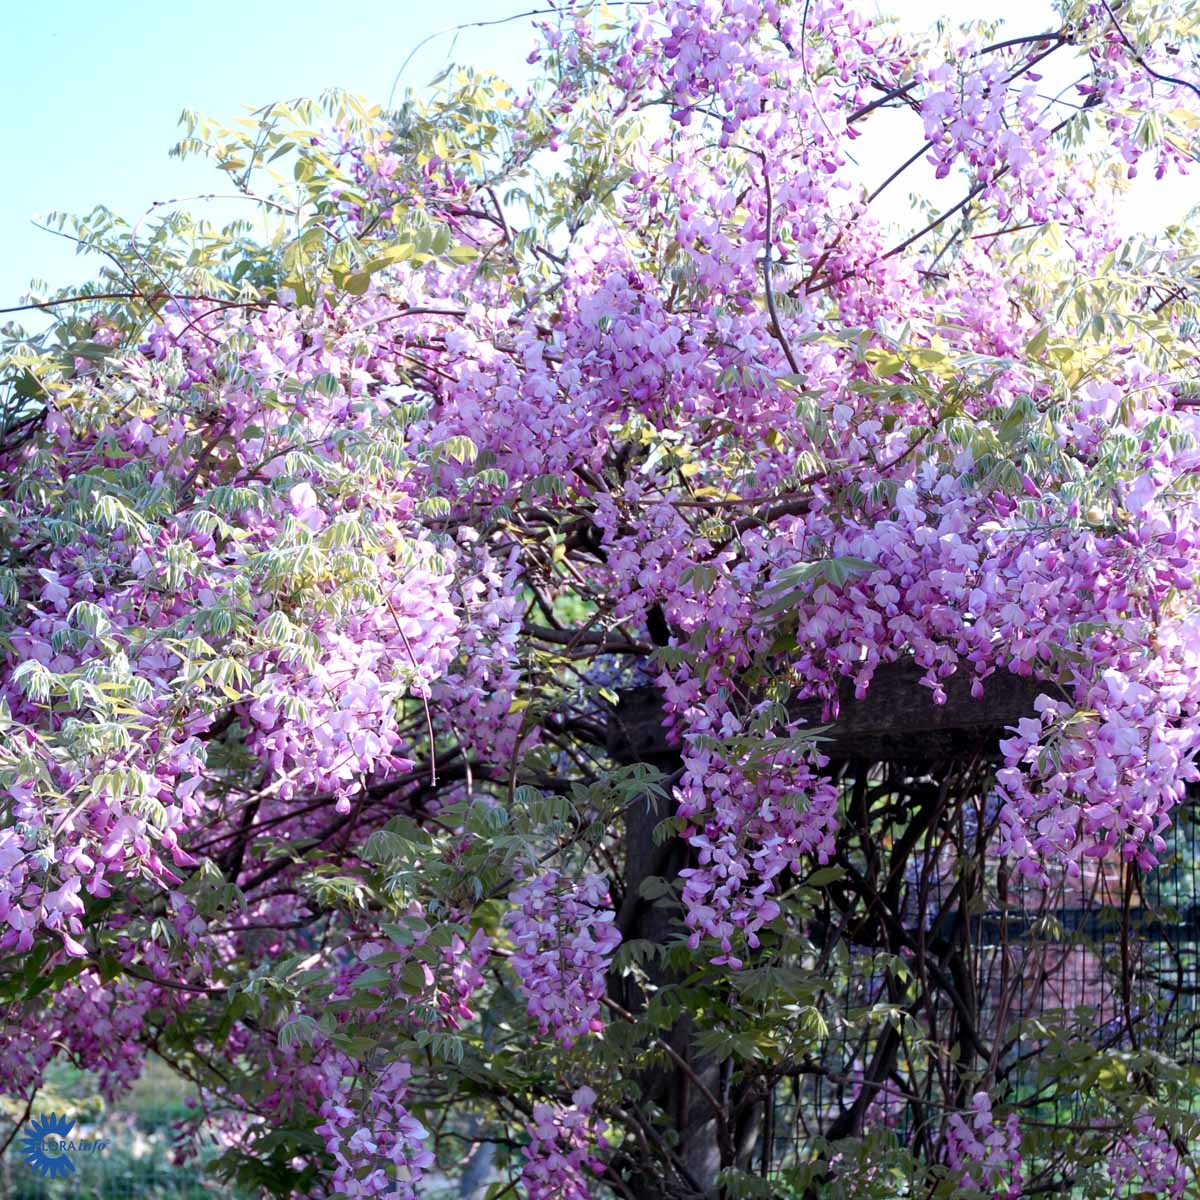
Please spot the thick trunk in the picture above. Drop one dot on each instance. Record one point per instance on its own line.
(683, 1089)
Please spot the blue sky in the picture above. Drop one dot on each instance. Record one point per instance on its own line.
(91, 93)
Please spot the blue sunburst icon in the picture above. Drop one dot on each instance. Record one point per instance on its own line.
(47, 1160)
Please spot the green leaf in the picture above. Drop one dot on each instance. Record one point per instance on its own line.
(794, 583)
(54, 978)
(398, 252)
(654, 887)
(299, 1029)
(823, 876)
(413, 978)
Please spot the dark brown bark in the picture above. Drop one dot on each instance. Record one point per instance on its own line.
(668, 1088)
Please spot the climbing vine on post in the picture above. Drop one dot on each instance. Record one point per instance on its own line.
(581, 662)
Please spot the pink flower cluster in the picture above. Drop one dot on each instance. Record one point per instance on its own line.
(564, 940)
(973, 112)
(560, 1156)
(1129, 91)
(985, 1156)
(380, 1151)
(1146, 1160)
(747, 826)
(887, 1105)
(326, 728)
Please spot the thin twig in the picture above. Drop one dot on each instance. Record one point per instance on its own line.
(1141, 62)
(23, 1118)
(779, 334)
(424, 699)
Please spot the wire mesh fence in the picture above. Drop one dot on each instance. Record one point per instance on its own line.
(1065, 997)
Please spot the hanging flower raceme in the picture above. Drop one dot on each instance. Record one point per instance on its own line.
(378, 1153)
(1147, 1160)
(560, 1161)
(564, 939)
(986, 1156)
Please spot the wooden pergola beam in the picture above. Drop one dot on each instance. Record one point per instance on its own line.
(896, 721)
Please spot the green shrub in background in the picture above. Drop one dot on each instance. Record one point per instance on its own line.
(137, 1163)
